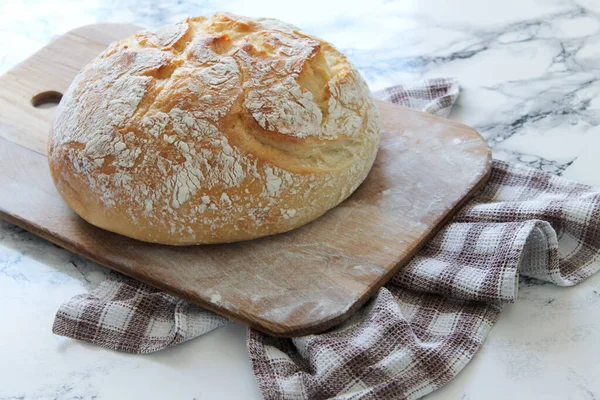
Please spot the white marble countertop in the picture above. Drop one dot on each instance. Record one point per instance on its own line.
(530, 74)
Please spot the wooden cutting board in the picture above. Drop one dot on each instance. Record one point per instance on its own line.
(292, 284)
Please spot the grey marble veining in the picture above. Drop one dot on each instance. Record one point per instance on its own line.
(530, 77)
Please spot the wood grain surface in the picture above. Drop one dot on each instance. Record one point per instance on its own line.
(292, 284)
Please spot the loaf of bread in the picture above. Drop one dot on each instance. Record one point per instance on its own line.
(213, 130)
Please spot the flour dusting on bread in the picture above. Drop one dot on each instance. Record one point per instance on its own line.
(213, 130)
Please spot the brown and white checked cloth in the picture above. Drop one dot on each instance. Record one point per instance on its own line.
(419, 330)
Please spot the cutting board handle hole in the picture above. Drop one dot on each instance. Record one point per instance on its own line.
(46, 99)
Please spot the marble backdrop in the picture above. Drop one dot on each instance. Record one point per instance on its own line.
(530, 77)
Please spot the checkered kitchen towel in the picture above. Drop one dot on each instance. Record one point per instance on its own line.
(419, 330)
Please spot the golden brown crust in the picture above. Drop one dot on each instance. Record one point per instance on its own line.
(213, 130)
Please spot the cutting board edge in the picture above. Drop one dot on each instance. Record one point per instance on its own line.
(258, 323)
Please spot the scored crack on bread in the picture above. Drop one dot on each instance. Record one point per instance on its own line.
(213, 130)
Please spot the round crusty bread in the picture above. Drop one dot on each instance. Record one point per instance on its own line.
(213, 130)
